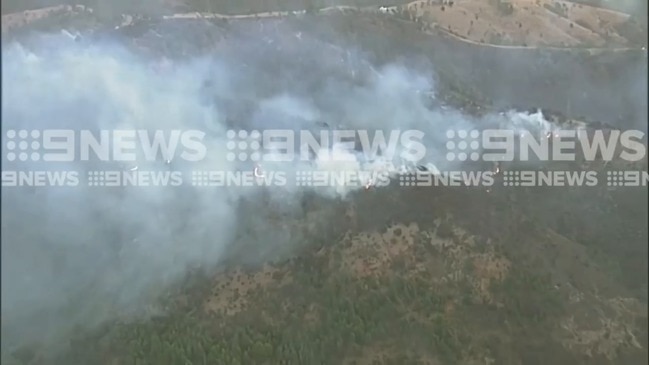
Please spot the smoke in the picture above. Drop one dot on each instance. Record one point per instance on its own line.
(75, 257)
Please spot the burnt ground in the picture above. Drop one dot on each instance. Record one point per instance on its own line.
(415, 275)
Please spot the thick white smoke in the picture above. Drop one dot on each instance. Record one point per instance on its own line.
(74, 257)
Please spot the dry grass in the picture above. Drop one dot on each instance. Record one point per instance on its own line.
(15, 20)
(531, 23)
(606, 330)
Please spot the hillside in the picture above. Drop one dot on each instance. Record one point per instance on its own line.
(531, 23)
(396, 275)
(526, 23)
(440, 276)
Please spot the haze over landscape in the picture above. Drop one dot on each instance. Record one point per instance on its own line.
(355, 274)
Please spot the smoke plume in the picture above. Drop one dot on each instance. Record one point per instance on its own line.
(74, 257)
